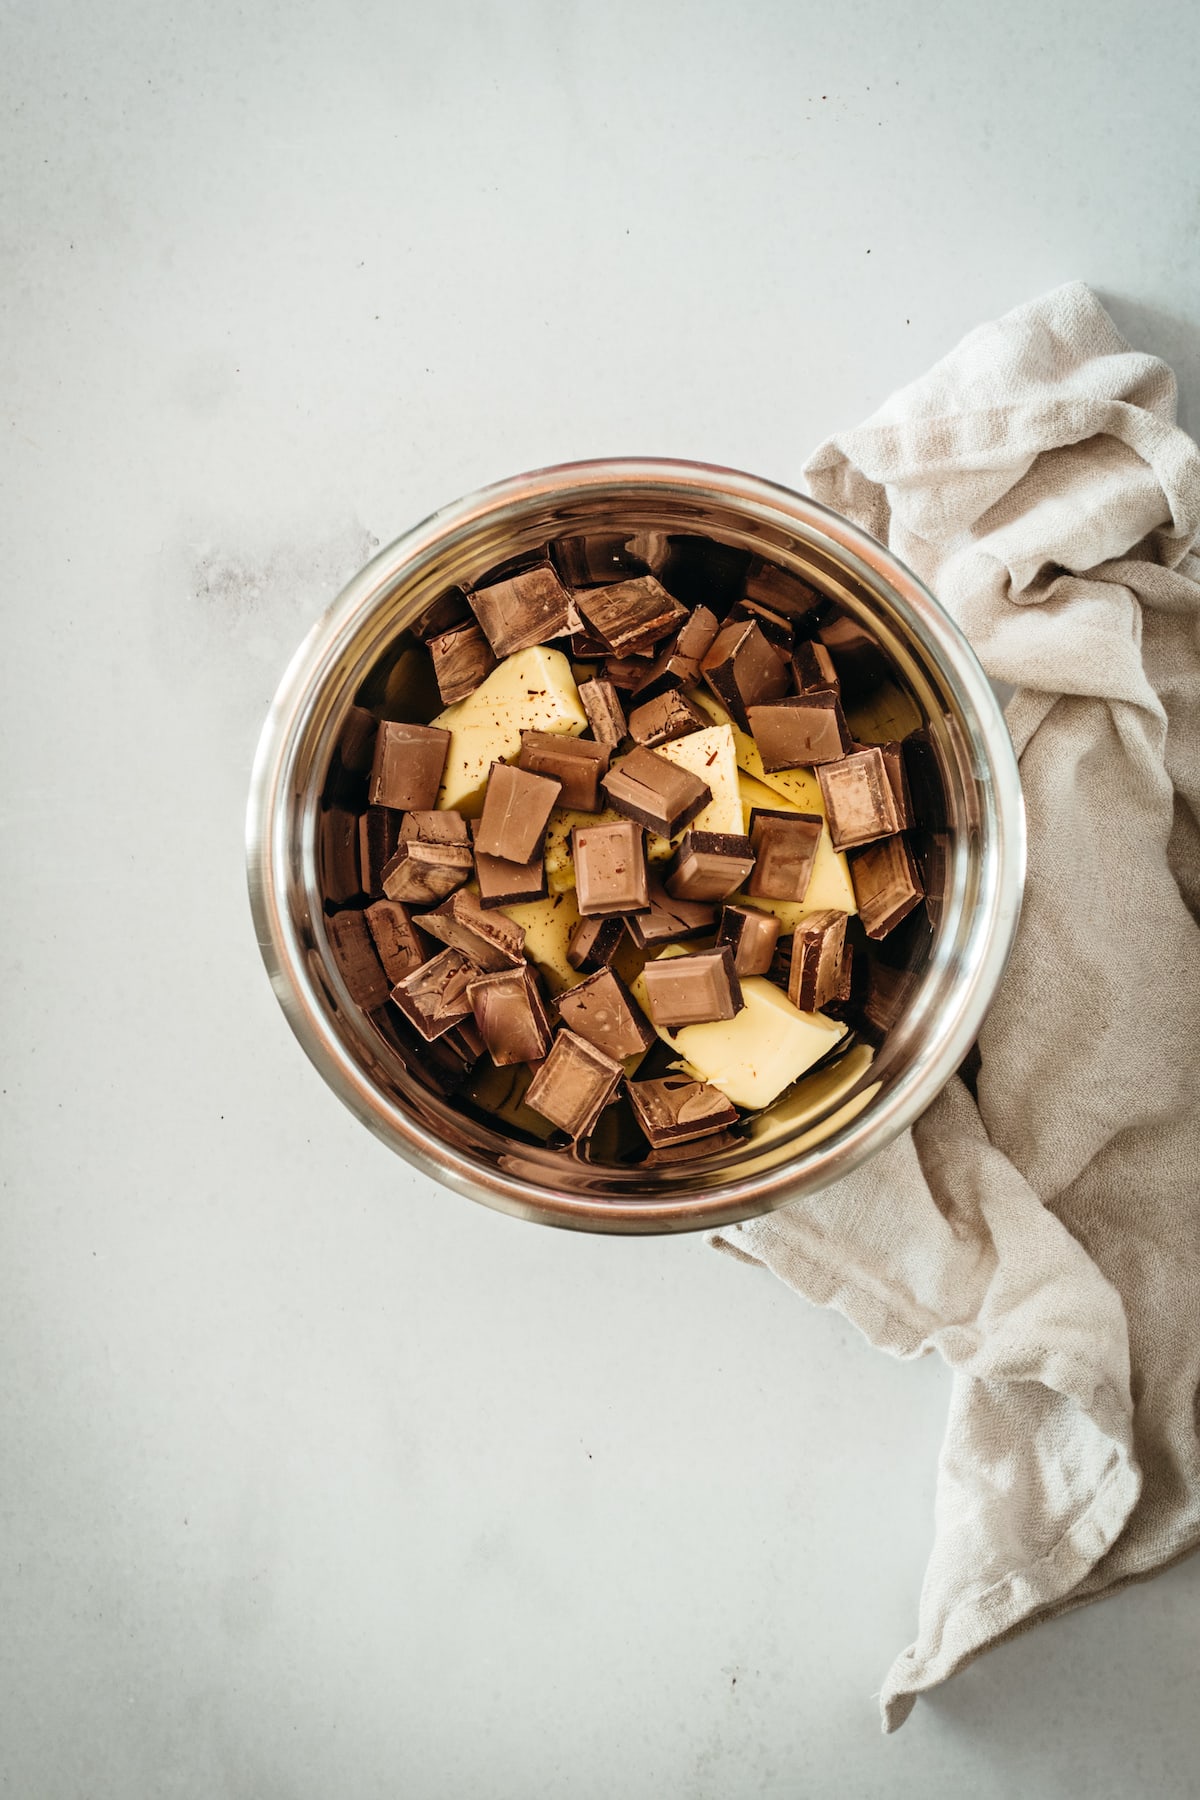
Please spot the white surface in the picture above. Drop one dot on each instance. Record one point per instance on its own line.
(318, 1480)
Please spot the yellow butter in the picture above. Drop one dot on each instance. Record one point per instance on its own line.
(533, 690)
(885, 716)
(548, 926)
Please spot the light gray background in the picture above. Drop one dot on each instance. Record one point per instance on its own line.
(319, 1481)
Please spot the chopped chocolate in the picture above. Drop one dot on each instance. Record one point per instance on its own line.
(610, 868)
(604, 711)
(859, 801)
(860, 663)
(692, 990)
(337, 855)
(812, 667)
(434, 997)
(781, 963)
(677, 1110)
(597, 560)
(490, 939)
(441, 615)
(743, 670)
(893, 762)
(462, 659)
(664, 1155)
(378, 836)
(504, 883)
(782, 591)
(356, 746)
(785, 848)
(800, 732)
(886, 884)
(624, 672)
(407, 767)
(398, 944)
(602, 1010)
(850, 995)
(423, 873)
(574, 1084)
(516, 812)
(670, 715)
(354, 952)
(656, 792)
(669, 921)
(447, 827)
(594, 942)
(575, 763)
(701, 572)
(751, 935)
(632, 615)
(778, 631)
(708, 865)
(511, 1015)
(678, 661)
(816, 960)
(926, 782)
(527, 609)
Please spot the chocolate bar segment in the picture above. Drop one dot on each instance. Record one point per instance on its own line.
(511, 1015)
(602, 1010)
(670, 715)
(605, 714)
(447, 827)
(356, 746)
(785, 849)
(597, 560)
(751, 935)
(406, 769)
(594, 942)
(886, 884)
(574, 1084)
(815, 973)
(516, 812)
(812, 667)
(743, 670)
(434, 997)
(421, 873)
(668, 920)
(442, 615)
(504, 883)
(632, 615)
(527, 609)
(859, 800)
(677, 1110)
(782, 591)
(624, 672)
(692, 990)
(354, 952)
(398, 944)
(777, 630)
(656, 792)
(575, 763)
(490, 939)
(610, 868)
(800, 732)
(893, 762)
(860, 663)
(678, 661)
(462, 660)
(708, 865)
(378, 836)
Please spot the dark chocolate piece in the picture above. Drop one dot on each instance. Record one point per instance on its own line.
(751, 935)
(886, 884)
(610, 868)
(677, 1110)
(669, 921)
(702, 572)
(692, 990)
(423, 873)
(604, 711)
(816, 960)
(511, 1015)
(378, 836)
(893, 762)
(398, 944)
(504, 883)
(574, 1084)
(656, 792)
(670, 715)
(800, 732)
(441, 615)
(632, 615)
(527, 609)
(597, 560)
(407, 767)
(516, 812)
(602, 1010)
(356, 746)
(777, 630)
(490, 939)
(575, 763)
(859, 801)
(782, 591)
(708, 865)
(743, 670)
(664, 1155)
(812, 667)
(926, 782)
(447, 827)
(354, 953)
(678, 661)
(337, 855)
(858, 659)
(594, 942)
(624, 672)
(434, 997)
(462, 660)
(785, 848)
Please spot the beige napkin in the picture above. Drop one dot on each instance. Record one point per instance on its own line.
(1046, 1239)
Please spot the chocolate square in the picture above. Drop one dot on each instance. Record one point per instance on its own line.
(859, 800)
(604, 711)
(504, 883)
(777, 630)
(462, 660)
(632, 615)
(597, 560)
(602, 1010)
(610, 868)
(354, 953)
(751, 935)
(782, 591)
(574, 1084)
(434, 997)
(857, 657)
(423, 873)
(441, 615)
(670, 715)
(785, 848)
(692, 990)
(708, 865)
(337, 855)
(812, 668)
(356, 746)
(594, 942)
(516, 812)
(378, 836)
(886, 884)
(677, 1110)
(406, 769)
(893, 762)
(678, 661)
(656, 792)
(490, 939)
(743, 670)
(668, 920)
(800, 732)
(575, 763)
(398, 944)
(447, 827)
(624, 672)
(511, 1015)
(815, 973)
(527, 609)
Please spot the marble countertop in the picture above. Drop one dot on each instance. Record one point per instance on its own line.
(317, 1479)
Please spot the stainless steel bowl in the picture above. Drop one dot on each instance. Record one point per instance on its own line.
(973, 858)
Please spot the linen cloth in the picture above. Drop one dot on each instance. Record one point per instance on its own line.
(1045, 1236)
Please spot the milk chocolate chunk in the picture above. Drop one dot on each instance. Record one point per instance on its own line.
(490, 939)
(743, 670)
(668, 920)
(708, 865)
(441, 615)
(859, 800)
(575, 763)
(893, 761)
(356, 746)
(507, 883)
(337, 854)
(632, 615)
(860, 663)
(604, 711)
(527, 609)
(777, 630)
(678, 661)
(602, 1010)
(516, 812)
(597, 560)
(434, 997)
(574, 1084)
(354, 953)
(670, 715)
(378, 836)
(751, 935)
(658, 793)
(423, 873)
(886, 884)
(594, 942)
(462, 659)
(398, 944)
(781, 591)
(610, 868)
(785, 849)
(407, 767)
(625, 672)
(511, 1015)
(812, 667)
(800, 732)
(692, 990)
(816, 960)
(448, 827)
(676, 1110)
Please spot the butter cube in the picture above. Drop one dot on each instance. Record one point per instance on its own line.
(548, 926)
(533, 690)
